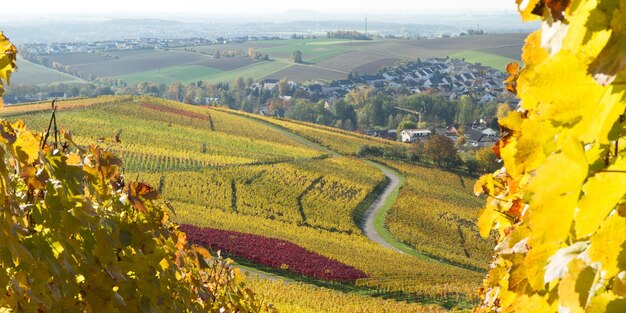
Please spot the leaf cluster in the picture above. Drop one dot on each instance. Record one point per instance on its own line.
(558, 202)
(77, 236)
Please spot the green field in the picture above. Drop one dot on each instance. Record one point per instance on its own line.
(312, 52)
(324, 59)
(487, 59)
(192, 73)
(30, 73)
(172, 74)
(256, 71)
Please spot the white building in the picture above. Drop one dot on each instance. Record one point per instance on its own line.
(412, 135)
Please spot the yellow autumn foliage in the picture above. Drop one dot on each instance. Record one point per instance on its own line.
(558, 202)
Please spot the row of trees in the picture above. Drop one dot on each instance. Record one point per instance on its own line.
(438, 150)
(362, 108)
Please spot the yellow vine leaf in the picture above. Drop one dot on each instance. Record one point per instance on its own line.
(526, 8)
(73, 240)
(574, 290)
(607, 246)
(27, 147)
(607, 302)
(564, 155)
(602, 192)
(8, 55)
(532, 304)
(533, 52)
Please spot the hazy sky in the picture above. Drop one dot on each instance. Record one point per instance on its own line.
(254, 6)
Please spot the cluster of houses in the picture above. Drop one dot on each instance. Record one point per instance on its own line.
(476, 135)
(448, 77)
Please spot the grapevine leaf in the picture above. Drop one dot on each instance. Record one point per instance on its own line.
(27, 148)
(527, 7)
(8, 54)
(532, 304)
(607, 302)
(535, 263)
(558, 263)
(126, 237)
(533, 52)
(575, 287)
(602, 191)
(619, 285)
(609, 249)
(612, 60)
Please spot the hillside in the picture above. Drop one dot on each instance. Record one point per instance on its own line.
(228, 171)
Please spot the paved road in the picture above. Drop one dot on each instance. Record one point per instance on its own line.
(368, 228)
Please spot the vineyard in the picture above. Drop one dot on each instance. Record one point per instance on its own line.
(388, 270)
(342, 141)
(436, 213)
(82, 232)
(272, 252)
(304, 298)
(227, 171)
(61, 105)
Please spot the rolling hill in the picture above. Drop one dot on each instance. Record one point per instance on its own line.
(280, 181)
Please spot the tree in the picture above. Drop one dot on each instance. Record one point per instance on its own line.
(104, 90)
(283, 87)
(466, 113)
(417, 151)
(348, 124)
(239, 84)
(487, 160)
(391, 122)
(470, 162)
(296, 56)
(74, 91)
(405, 125)
(278, 107)
(360, 95)
(503, 110)
(440, 149)
(252, 53)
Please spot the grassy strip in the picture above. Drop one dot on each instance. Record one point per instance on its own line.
(379, 223)
(379, 219)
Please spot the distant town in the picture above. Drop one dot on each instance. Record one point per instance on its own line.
(129, 44)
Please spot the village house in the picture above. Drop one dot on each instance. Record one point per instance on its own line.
(412, 135)
(480, 138)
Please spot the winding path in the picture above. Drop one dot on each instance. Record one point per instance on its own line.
(376, 210)
(369, 228)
